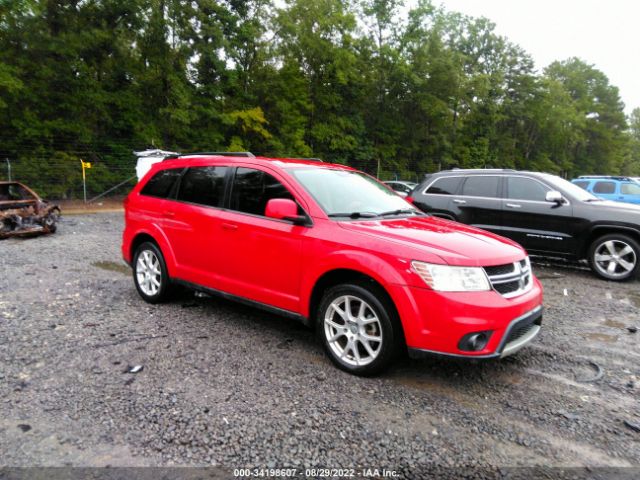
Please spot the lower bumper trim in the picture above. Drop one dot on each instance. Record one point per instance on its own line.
(533, 318)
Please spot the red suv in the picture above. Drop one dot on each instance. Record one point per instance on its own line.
(334, 248)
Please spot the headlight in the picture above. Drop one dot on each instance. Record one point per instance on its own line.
(452, 279)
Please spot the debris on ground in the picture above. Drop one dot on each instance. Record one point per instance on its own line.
(24, 213)
(599, 374)
(632, 329)
(632, 426)
(134, 369)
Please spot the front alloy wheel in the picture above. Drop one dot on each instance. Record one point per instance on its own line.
(614, 257)
(353, 330)
(359, 327)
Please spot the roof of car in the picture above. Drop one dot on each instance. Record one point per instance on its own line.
(481, 171)
(186, 160)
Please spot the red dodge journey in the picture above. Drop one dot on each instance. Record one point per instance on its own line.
(334, 248)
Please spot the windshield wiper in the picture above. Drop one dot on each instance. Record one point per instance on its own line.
(354, 215)
(594, 200)
(400, 211)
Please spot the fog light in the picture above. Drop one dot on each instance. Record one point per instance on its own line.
(474, 342)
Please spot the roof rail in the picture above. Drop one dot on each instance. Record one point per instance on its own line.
(611, 177)
(480, 170)
(222, 154)
(310, 159)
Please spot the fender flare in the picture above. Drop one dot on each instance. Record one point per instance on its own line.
(354, 260)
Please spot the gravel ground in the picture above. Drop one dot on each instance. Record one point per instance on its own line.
(231, 386)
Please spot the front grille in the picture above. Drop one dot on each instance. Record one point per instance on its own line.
(499, 269)
(511, 279)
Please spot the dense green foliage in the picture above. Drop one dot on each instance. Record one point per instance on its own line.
(361, 82)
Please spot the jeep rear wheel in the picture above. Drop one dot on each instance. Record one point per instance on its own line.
(615, 257)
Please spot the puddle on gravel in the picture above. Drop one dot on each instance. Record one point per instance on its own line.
(613, 323)
(602, 337)
(113, 267)
(635, 299)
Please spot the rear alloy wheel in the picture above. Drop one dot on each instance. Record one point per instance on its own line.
(356, 329)
(614, 257)
(150, 273)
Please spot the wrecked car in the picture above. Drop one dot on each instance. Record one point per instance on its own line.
(23, 212)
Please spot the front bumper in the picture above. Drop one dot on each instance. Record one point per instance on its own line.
(518, 334)
(435, 322)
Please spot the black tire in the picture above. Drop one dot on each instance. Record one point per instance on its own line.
(614, 257)
(51, 220)
(150, 292)
(386, 326)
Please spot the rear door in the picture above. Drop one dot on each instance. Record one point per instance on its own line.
(478, 202)
(530, 220)
(192, 219)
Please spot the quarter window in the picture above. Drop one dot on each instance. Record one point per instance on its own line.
(203, 185)
(604, 187)
(481, 186)
(445, 186)
(252, 189)
(161, 183)
(521, 188)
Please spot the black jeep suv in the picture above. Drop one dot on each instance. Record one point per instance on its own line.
(547, 215)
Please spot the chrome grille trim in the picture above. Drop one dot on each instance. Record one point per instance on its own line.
(515, 283)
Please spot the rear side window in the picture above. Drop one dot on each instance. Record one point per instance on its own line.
(161, 183)
(630, 189)
(522, 188)
(582, 185)
(445, 186)
(604, 187)
(481, 186)
(203, 185)
(252, 189)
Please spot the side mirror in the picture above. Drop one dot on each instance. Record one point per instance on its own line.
(284, 209)
(554, 196)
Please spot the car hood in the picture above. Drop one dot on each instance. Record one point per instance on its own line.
(455, 243)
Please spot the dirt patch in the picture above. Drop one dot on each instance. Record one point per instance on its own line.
(113, 267)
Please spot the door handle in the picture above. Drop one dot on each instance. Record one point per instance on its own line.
(229, 226)
(513, 205)
(169, 214)
(459, 202)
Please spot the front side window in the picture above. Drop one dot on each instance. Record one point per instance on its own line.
(630, 189)
(604, 187)
(203, 185)
(445, 186)
(521, 188)
(481, 186)
(252, 189)
(161, 184)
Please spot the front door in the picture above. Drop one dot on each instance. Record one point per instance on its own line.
(539, 226)
(262, 256)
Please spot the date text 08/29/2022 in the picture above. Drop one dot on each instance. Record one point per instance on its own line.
(315, 472)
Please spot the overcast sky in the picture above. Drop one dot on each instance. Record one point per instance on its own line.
(604, 33)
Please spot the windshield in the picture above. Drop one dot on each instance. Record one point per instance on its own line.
(571, 188)
(342, 193)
